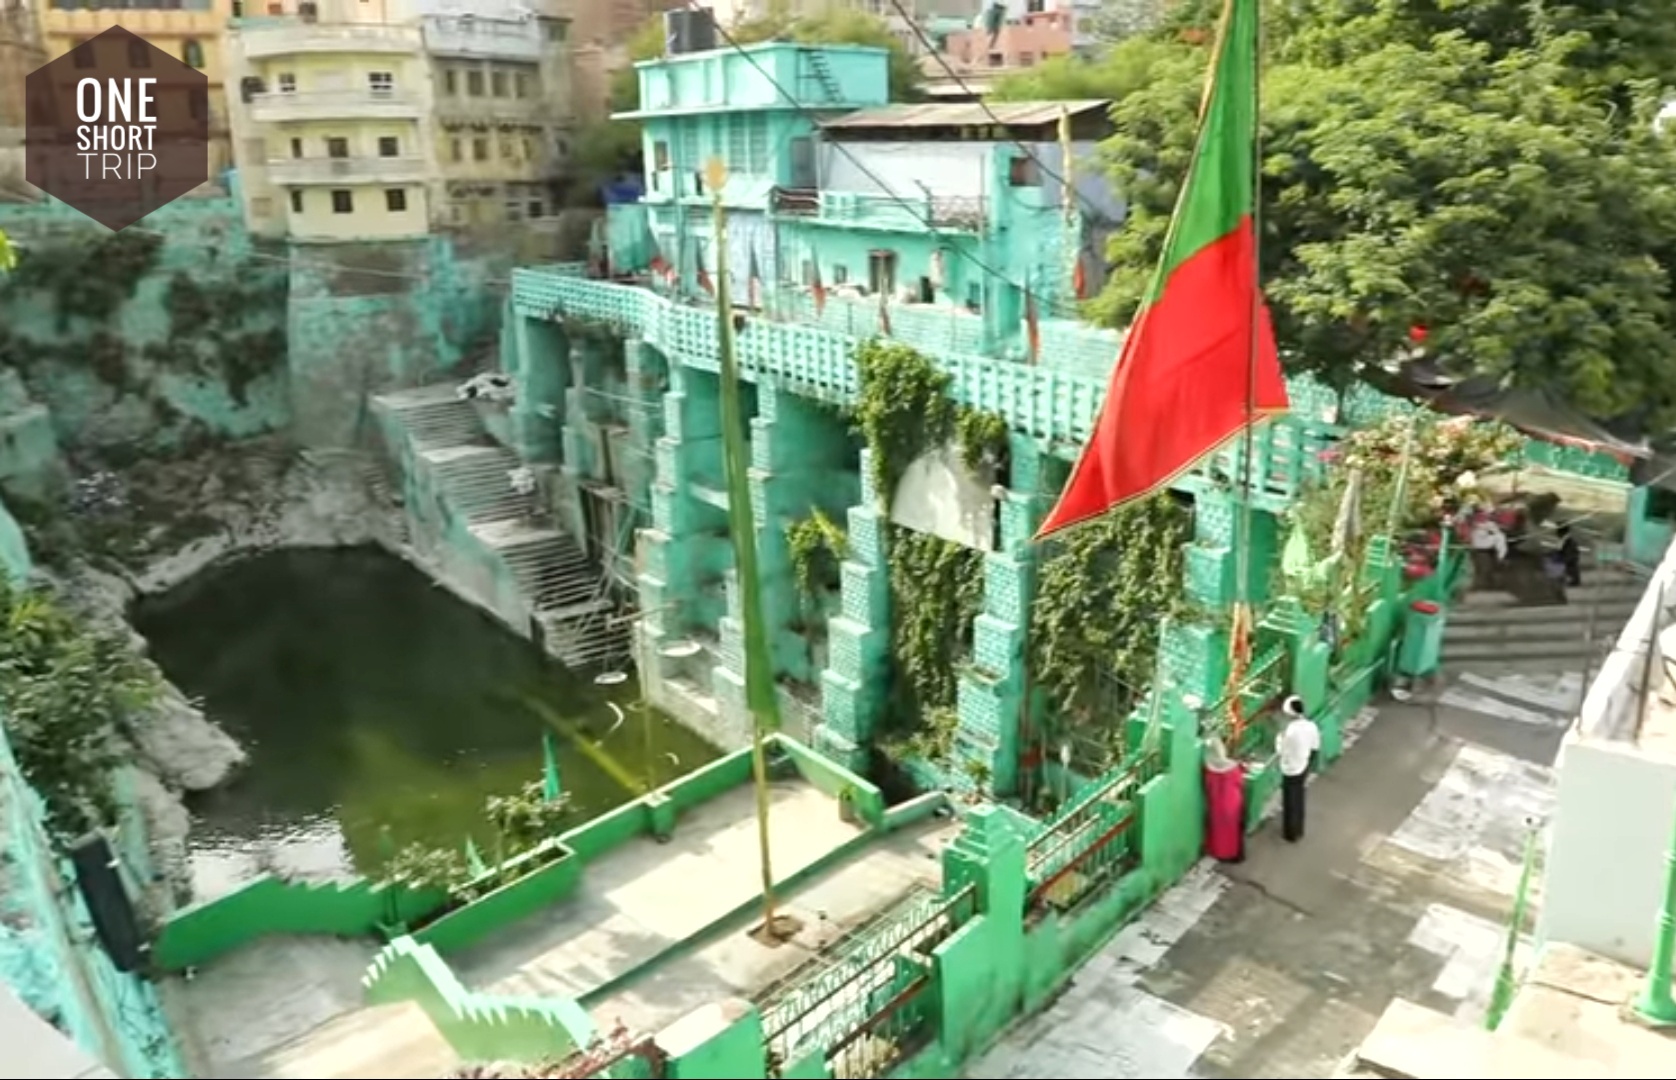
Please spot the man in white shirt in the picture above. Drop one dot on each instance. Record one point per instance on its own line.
(1296, 747)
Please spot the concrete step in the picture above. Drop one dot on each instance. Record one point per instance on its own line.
(434, 416)
(1556, 628)
(1582, 596)
(1570, 652)
(1615, 611)
(586, 635)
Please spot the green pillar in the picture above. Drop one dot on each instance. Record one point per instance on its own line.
(1655, 1004)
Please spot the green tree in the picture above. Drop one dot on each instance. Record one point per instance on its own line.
(1483, 181)
(68, 691)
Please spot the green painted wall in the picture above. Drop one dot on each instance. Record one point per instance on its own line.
(14, 552)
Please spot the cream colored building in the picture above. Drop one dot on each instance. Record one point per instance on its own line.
(190, 30)
(502, 118)
(360, 120)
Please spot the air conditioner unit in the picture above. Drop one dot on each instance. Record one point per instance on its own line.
(308, 11)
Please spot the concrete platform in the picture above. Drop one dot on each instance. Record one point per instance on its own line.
(646, 896)
(239, 1009)
(385, 1041)
(827, 909)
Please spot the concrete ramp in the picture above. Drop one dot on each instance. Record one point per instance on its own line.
(383, 1041)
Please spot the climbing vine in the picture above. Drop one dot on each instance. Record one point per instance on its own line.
(69, 691)
(936, 592)
(903, 409)
(1100, 600)
(525, 818)
(818, 545)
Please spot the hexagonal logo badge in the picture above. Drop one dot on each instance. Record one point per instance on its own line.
(116, 127)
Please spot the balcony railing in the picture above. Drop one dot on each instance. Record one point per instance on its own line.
(500, 39)
(289, 37)
(349, 170)
(915, 211)
(278, 107)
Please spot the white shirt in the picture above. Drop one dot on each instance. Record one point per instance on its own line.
(1487, 536)
(1297, 741)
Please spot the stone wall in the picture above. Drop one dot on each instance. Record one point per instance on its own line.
(140, 341)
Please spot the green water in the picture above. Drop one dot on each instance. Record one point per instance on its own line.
(378, 710)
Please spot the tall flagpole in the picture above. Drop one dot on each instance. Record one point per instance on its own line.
(760, 698)
(1240, 636)
(1073, 235)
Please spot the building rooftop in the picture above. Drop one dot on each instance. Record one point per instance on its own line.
(965, 114)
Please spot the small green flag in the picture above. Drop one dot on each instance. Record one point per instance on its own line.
(551, 788)
(474, 859)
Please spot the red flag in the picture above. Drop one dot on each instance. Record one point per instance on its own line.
(818, 290)
(1032, 326)
(1199, 362)
(753, 285)
(704, 281)
(1079, 280)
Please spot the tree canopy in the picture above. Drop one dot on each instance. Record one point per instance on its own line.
(1487, 169)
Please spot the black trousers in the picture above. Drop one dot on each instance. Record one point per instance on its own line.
(1292, 807)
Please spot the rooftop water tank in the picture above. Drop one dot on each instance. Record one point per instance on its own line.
(688, 30)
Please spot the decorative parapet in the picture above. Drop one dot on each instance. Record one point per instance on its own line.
(480, 1027)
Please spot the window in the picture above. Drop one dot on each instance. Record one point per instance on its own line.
(337, 147)
(534, 208)
(562, 146)
(192, 53)
(381, 83)
(555, 30)
(296, 148)
(287, 82)
(840, 275)
(514, 210)
(996, 59)
(1023, 171)
(1026, 59)
(389, 146)
(395, 199)
(528, 150)
(508, 151)
(497, 83)
(474, 83)
(456, 150)
(83, 56)
(296, 201)
(660, 155)
(343, 202)
(480, 149)
(139, 54)
(881, 271)
(451, 82)
(521, 85)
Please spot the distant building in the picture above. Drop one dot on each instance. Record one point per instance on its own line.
(599, 33)
(357, 121)
(20, 53)
(190, 30)
(1017, 43)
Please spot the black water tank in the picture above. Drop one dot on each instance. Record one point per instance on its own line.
(688, 30)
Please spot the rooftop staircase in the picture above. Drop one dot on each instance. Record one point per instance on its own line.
(568, 598)
(1496, 630)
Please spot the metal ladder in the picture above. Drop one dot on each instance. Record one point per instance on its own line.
(818, 71)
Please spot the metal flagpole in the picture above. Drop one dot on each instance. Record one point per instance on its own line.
(1240, 635)
(760, 698)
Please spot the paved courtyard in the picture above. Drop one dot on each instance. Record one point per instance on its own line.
(1279, 966)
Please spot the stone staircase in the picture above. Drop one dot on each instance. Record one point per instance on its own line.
(1495, 630)
(567, 597)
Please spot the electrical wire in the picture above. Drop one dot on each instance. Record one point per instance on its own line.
(811, 114)
(1068, 190)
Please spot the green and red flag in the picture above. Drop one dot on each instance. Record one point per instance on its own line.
(816, 289)
(1199, 363)
(753, 285)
